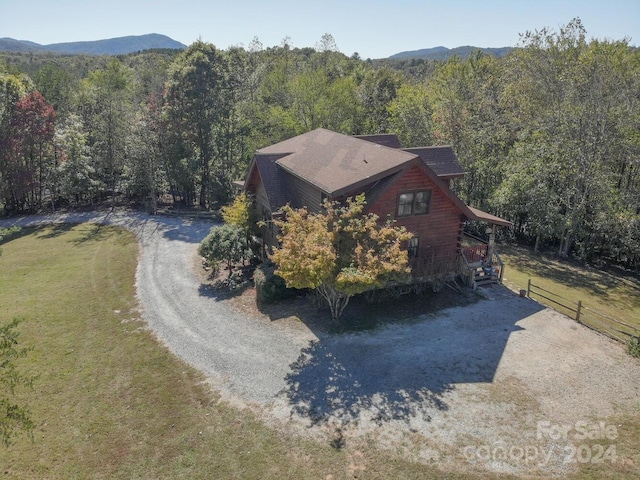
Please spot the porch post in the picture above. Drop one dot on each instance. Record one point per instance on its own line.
(492, 242)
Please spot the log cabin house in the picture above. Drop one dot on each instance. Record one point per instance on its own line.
(409, 185)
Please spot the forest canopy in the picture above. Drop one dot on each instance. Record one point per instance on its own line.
(548, 134)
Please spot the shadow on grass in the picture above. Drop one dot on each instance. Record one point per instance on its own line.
(87, 232)
(55, 230)
(574, 274)
(95, 233)
(17, 232)
(403, 371)
(41, 232)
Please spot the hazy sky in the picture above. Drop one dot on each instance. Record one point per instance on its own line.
(373, 28)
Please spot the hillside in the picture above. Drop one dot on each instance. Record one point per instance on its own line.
(443, 53)
(113, 46)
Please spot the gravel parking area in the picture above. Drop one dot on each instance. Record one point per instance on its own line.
(459, 388)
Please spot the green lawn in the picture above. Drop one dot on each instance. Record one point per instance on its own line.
(614, 294)
(110, 402)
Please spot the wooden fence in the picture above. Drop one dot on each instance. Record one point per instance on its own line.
(585, 315)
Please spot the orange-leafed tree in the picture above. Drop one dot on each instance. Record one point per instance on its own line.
(340, 252)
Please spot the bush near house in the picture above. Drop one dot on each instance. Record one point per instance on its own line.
(270, 287)
(224, 243)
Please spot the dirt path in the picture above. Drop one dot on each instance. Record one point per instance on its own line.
(458, 389)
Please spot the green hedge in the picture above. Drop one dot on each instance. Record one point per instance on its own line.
(269, 286)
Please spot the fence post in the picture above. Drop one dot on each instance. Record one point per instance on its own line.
(529, 288)
(578, 311)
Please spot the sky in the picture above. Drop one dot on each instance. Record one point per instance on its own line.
(372, 28)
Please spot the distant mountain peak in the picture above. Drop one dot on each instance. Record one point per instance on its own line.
(443, 53)
(112, 46)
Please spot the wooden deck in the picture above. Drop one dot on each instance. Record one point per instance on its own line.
(481, 265)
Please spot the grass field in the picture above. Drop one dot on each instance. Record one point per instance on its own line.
(604, 294)
(110, 402)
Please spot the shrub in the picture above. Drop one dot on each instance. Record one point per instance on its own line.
(224, 242)
(634, 346)
(269, 286)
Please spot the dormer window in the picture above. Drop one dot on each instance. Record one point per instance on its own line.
(414, 203)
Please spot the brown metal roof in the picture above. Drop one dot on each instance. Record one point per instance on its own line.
(334, 162)
(441, 160)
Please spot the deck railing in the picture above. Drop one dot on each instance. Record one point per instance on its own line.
(477, 255)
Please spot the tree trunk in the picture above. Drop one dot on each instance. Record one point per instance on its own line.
(566, 244)
(337, 300)
(205, 180)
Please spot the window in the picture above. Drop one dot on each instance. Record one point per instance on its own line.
(414, 203)
(412, 247)
(405, 204)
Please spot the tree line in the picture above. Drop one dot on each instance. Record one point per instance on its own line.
(548, 135)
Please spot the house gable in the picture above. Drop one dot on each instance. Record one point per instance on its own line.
(269, 183)
(438, 230)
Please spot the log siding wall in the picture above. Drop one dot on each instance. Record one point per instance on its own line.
(438, 231)
(309, 195)
(262, 209)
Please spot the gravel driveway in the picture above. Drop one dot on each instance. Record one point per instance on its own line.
(452, 388)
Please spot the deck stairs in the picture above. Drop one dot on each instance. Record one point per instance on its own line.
(480, 265)
(484, 274)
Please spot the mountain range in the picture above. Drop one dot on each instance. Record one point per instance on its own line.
(443, 53)
(113, 46)
(138, 43)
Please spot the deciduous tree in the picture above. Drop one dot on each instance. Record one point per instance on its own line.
(575, 100)
(239, 214)
(106, 110)
(77, 180)
(196, 104)
(411, 115)
(340, 252)
(27, 152)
